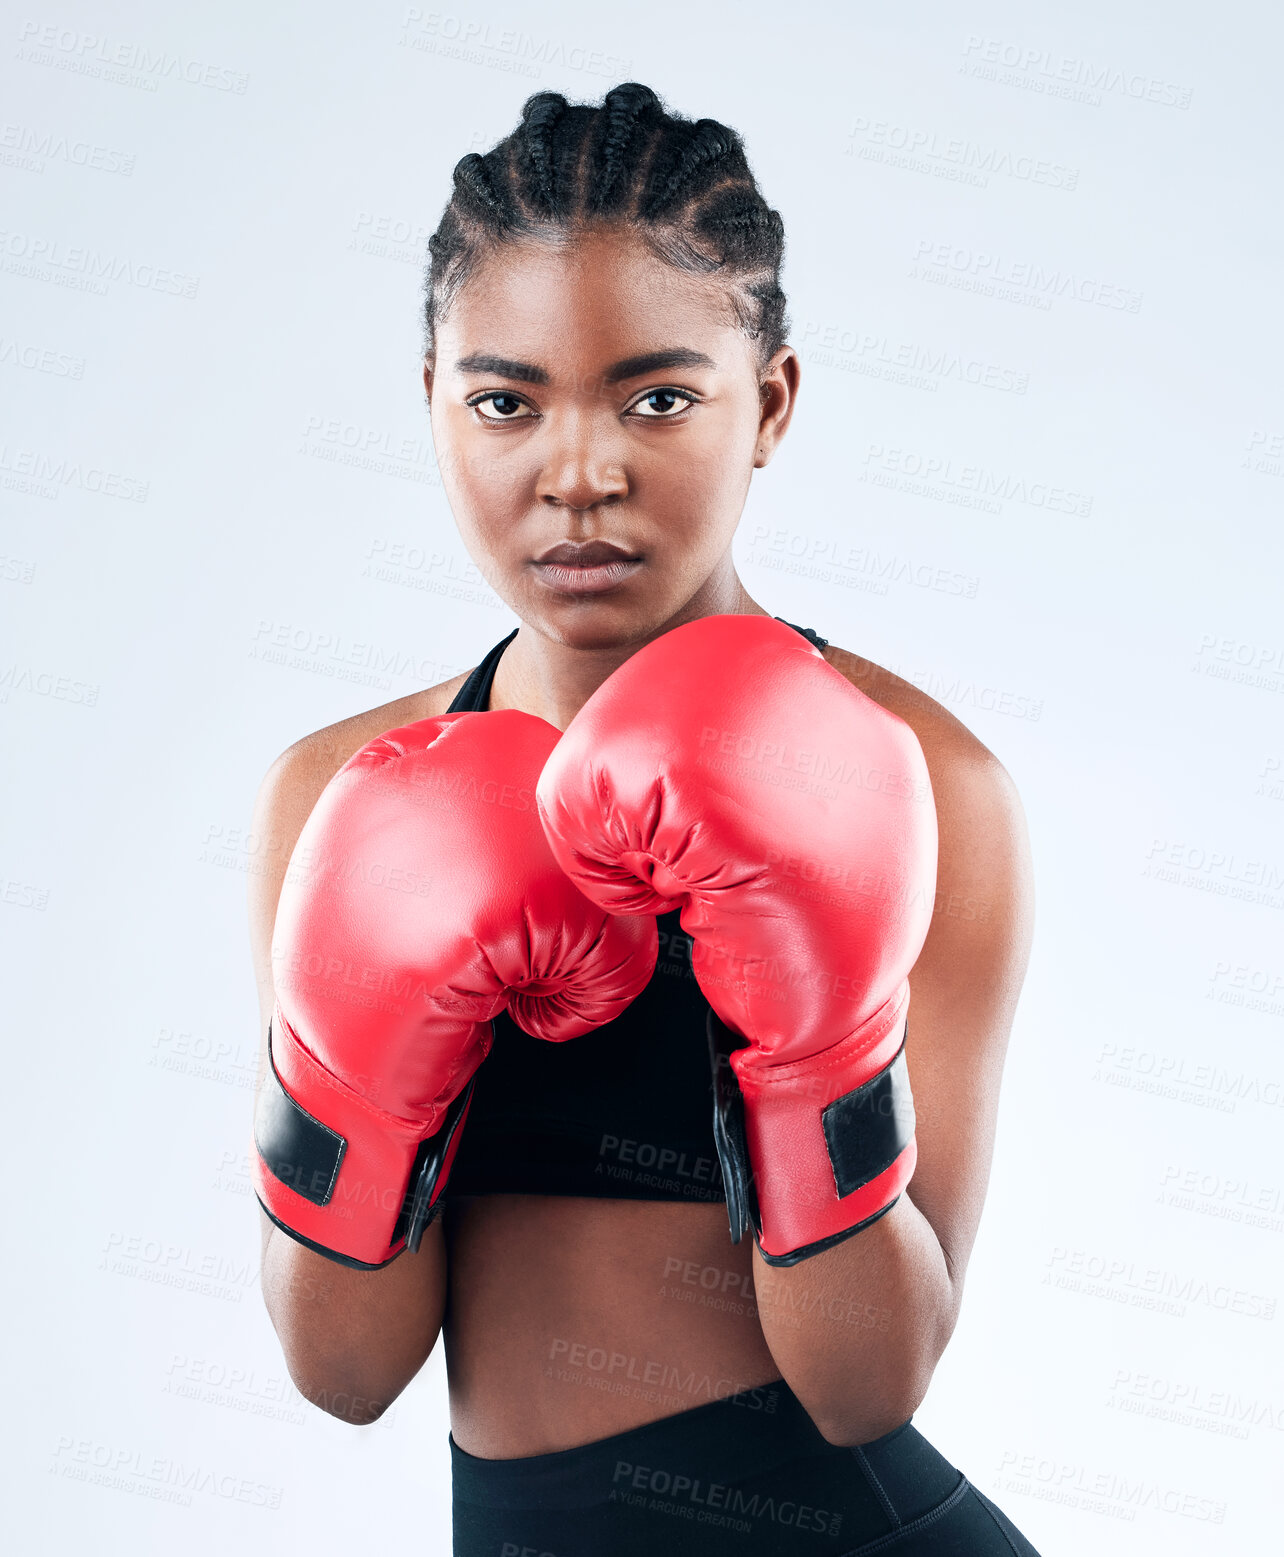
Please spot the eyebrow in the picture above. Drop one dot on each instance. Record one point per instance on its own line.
(627, 367)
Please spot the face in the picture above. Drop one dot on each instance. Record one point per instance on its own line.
(597, 416)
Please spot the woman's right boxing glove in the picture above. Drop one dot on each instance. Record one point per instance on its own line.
(420, 901)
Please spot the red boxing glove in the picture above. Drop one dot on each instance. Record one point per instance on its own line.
(727, 767)
(420, 901)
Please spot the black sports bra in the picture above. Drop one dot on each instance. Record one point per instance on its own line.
(624, 1112)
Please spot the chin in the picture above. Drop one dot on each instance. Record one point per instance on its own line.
(600, 621)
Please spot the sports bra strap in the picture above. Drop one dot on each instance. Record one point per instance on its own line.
(474, 695)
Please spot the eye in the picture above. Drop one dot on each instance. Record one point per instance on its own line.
(663, 411)
(507, 405)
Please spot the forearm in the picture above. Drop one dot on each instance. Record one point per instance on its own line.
(857, 1330)
(353, 1339)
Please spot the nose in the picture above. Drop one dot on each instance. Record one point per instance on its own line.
(582, 464)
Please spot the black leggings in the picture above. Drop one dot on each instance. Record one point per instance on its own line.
(745, 1475)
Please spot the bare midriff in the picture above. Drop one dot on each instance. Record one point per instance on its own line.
(571, 1320)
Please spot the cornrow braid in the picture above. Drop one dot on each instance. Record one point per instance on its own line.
(684, 185)
(707, 153)
(539, 120)
(625, 127)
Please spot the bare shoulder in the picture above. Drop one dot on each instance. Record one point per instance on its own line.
(939, 733)
(291, 788)
(303, 770)
(957, 761)
(984, 847)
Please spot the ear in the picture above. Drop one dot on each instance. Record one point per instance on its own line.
(777, 391)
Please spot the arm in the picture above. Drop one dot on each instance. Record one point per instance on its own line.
(857, 1329)
(792, 816)
(352, 1339)
(421, 901)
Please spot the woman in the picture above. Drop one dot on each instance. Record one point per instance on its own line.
(605, 367)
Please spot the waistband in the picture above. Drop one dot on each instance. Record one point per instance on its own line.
(731, 1442)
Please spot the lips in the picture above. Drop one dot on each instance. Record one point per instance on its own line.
(585, 567)
(585, 554)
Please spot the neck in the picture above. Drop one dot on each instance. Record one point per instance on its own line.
(554, 680)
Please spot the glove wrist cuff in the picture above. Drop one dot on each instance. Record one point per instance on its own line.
(816, 1149)
(337, 1173)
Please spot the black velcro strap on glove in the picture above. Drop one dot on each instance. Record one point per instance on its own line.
(297, 1148)
(729, 1131)
(422, 1201)
(867, 1129)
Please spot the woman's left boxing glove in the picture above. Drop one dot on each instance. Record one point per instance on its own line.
(420, 901)
(727, 769)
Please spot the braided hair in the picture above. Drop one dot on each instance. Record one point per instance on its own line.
(684, 186)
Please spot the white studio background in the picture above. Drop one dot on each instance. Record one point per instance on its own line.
(1033, 268)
